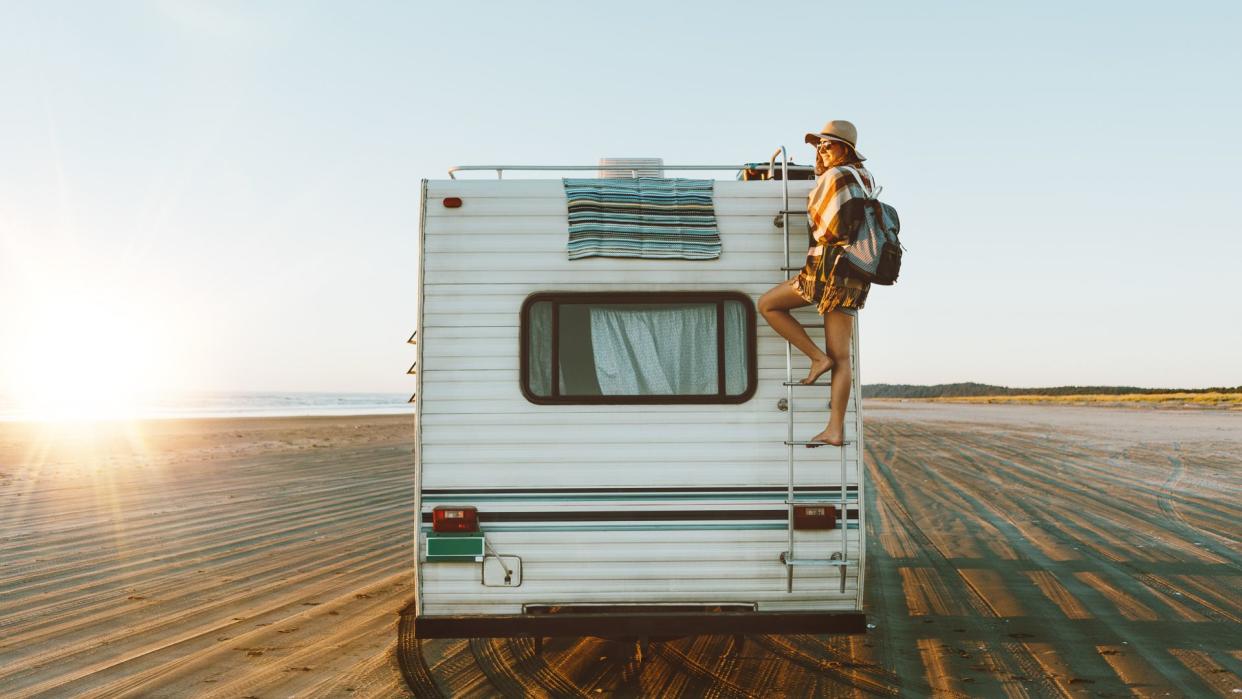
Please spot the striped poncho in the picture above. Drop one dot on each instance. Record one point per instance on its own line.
(816, 283)
(832, 189)
(650, 217)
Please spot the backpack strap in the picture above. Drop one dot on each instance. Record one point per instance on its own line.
(868, 192)
(872, 195)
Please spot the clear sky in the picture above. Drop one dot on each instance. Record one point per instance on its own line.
(224, 195)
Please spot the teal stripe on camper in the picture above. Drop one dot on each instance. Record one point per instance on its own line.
(851, 496)
(623, 527)
(647, 217)
(771, 526)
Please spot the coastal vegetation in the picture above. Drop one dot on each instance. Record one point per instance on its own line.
(1217, 397)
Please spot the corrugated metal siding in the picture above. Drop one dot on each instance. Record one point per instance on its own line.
(508, 241)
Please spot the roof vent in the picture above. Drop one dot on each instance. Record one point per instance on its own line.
(631, 167)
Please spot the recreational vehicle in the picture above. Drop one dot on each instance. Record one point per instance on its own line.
(611, 441)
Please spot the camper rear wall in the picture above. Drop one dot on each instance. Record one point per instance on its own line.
(476, 431)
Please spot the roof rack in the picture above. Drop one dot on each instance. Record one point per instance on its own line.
(500, 169)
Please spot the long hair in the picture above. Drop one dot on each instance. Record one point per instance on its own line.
(851, 158)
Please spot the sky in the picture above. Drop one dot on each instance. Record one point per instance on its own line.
(224, 195)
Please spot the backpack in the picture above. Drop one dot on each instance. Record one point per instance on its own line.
(873, 253)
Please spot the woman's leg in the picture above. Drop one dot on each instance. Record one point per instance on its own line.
(838, 329)
(775, 306)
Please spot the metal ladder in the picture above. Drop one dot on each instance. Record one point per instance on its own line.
(840, 558)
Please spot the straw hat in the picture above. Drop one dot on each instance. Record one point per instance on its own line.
(837, 130)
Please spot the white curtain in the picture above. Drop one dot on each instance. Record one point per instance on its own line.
(669, 350)
(735, 360)
(539, 351)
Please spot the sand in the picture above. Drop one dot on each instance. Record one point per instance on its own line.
(1014, 551)
(1097, 425)
(228, 557)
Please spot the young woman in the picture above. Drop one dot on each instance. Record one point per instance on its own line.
(836, 297)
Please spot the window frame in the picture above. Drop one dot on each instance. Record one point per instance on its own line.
(639, 297)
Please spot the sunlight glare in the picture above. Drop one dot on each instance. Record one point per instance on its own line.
(83, 359)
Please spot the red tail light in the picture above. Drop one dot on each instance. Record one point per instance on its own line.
(454, 519)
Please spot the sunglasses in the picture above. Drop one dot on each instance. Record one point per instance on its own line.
(825, 144)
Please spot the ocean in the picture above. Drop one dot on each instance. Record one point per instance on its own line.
(252, 404)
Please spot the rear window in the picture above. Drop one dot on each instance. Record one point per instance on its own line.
(638, 348)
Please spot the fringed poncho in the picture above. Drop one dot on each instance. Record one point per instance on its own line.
(816, 283)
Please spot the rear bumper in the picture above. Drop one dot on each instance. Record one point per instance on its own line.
(637, 624)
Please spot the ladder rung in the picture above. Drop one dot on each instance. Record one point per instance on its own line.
(791, 269)
(792, 211)
(846, 443)
(814, 562)
(819, 503)
(799, 383)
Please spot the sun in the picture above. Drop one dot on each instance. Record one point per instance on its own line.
(82, 358)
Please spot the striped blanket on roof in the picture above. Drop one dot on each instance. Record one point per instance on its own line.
(651, 217)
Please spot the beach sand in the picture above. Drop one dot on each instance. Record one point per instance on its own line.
(1014, 550)
(224, 557)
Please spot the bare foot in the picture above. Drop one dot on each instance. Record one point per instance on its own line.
(830, 437)
(818, 368)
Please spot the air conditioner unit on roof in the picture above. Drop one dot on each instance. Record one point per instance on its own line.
(631, 167)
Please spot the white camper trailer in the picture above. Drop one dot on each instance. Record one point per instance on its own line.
(561, 490)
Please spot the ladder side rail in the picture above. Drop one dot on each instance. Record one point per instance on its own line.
(789, 407)
(845, 519)
(845, 545)
(860, 468)
(856, 392)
